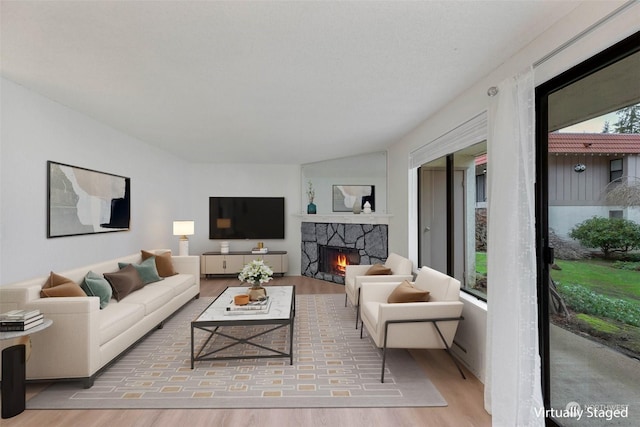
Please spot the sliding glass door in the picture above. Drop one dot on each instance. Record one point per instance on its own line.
(588, 208)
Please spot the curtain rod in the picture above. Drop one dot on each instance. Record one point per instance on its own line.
(584, 32)
(493, 90)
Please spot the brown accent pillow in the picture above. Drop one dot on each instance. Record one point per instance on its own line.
(406, 292)
(124, 282)
(164, 264)
(378, 270)
(60, 286)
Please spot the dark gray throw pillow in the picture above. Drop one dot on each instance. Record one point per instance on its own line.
(124, 282)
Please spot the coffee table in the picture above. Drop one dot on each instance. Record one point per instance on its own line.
(281, 313)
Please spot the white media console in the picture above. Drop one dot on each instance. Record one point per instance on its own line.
(217, 263)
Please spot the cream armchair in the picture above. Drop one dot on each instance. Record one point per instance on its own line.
(401, 269)
(431, 324)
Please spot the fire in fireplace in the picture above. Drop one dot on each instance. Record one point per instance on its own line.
(334, 260)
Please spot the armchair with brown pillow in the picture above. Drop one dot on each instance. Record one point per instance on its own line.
(395, 268)
(422, 314)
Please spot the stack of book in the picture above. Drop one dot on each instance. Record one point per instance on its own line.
(20, 320)
(254, 307)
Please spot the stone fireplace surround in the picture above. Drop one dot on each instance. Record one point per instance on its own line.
(371, 241)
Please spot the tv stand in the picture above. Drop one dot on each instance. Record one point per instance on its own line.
(217, 263)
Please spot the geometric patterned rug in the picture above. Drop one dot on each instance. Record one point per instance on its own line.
(332, 367)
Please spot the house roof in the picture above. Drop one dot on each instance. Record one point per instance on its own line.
(594, 143)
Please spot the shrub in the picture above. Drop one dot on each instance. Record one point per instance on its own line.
(583, 300)
(627, 265)
(608, 234)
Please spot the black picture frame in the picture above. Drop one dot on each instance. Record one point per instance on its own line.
(343, 195)
(85, 201)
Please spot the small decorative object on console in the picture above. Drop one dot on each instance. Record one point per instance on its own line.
(256, 272)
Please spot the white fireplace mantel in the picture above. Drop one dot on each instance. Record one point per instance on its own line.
(346, 218)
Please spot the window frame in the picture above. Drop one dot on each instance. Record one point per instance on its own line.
(616, 174)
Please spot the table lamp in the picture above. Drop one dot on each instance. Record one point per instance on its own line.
(183, 229)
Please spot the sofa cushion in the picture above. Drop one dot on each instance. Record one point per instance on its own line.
(378, 270)
(406, 292)
(95, 285)
(151, 297)
(59, 286)
(146, 269)
(178, 283)
(124, 282)
(117, 318)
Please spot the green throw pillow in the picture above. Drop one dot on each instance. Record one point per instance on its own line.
(95, 285)
(146, 269)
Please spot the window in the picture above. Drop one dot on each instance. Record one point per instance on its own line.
(615, 170)
(481, 185)
(616, 214)
(453, 217)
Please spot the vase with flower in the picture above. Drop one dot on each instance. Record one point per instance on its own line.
(256, 273)
(311, 194)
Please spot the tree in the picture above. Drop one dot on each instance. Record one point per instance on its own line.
(607, 127)
(608, 234)
(628, 120)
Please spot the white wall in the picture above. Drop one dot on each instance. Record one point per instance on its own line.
(208, 180)
(163, 188)
(474, 101)
(36, 129)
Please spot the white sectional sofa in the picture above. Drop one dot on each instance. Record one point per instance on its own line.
(84, 338)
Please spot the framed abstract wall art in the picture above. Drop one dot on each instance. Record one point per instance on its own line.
(85, 201)
(344, 197)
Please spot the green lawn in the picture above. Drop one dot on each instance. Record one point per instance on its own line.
(600, 277)
(595, 274)
(481, 263)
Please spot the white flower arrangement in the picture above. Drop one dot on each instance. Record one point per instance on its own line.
(256, 272)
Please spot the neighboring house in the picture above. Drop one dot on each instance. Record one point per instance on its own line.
(583, 169)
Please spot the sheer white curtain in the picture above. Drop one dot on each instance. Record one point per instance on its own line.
(513, 392)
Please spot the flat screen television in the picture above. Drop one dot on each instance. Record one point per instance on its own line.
(246, 218)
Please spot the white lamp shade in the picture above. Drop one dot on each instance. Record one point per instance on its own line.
(183, 228)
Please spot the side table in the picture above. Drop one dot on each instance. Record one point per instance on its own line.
(14, 371)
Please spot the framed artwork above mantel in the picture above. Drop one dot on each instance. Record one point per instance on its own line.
(85, 201)
(344, 197)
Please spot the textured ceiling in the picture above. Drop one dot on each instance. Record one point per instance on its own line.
(263, 82)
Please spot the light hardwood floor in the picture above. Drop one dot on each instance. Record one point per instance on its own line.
(464, 397)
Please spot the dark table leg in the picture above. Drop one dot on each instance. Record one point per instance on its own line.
(13, 380)
(192, 355)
